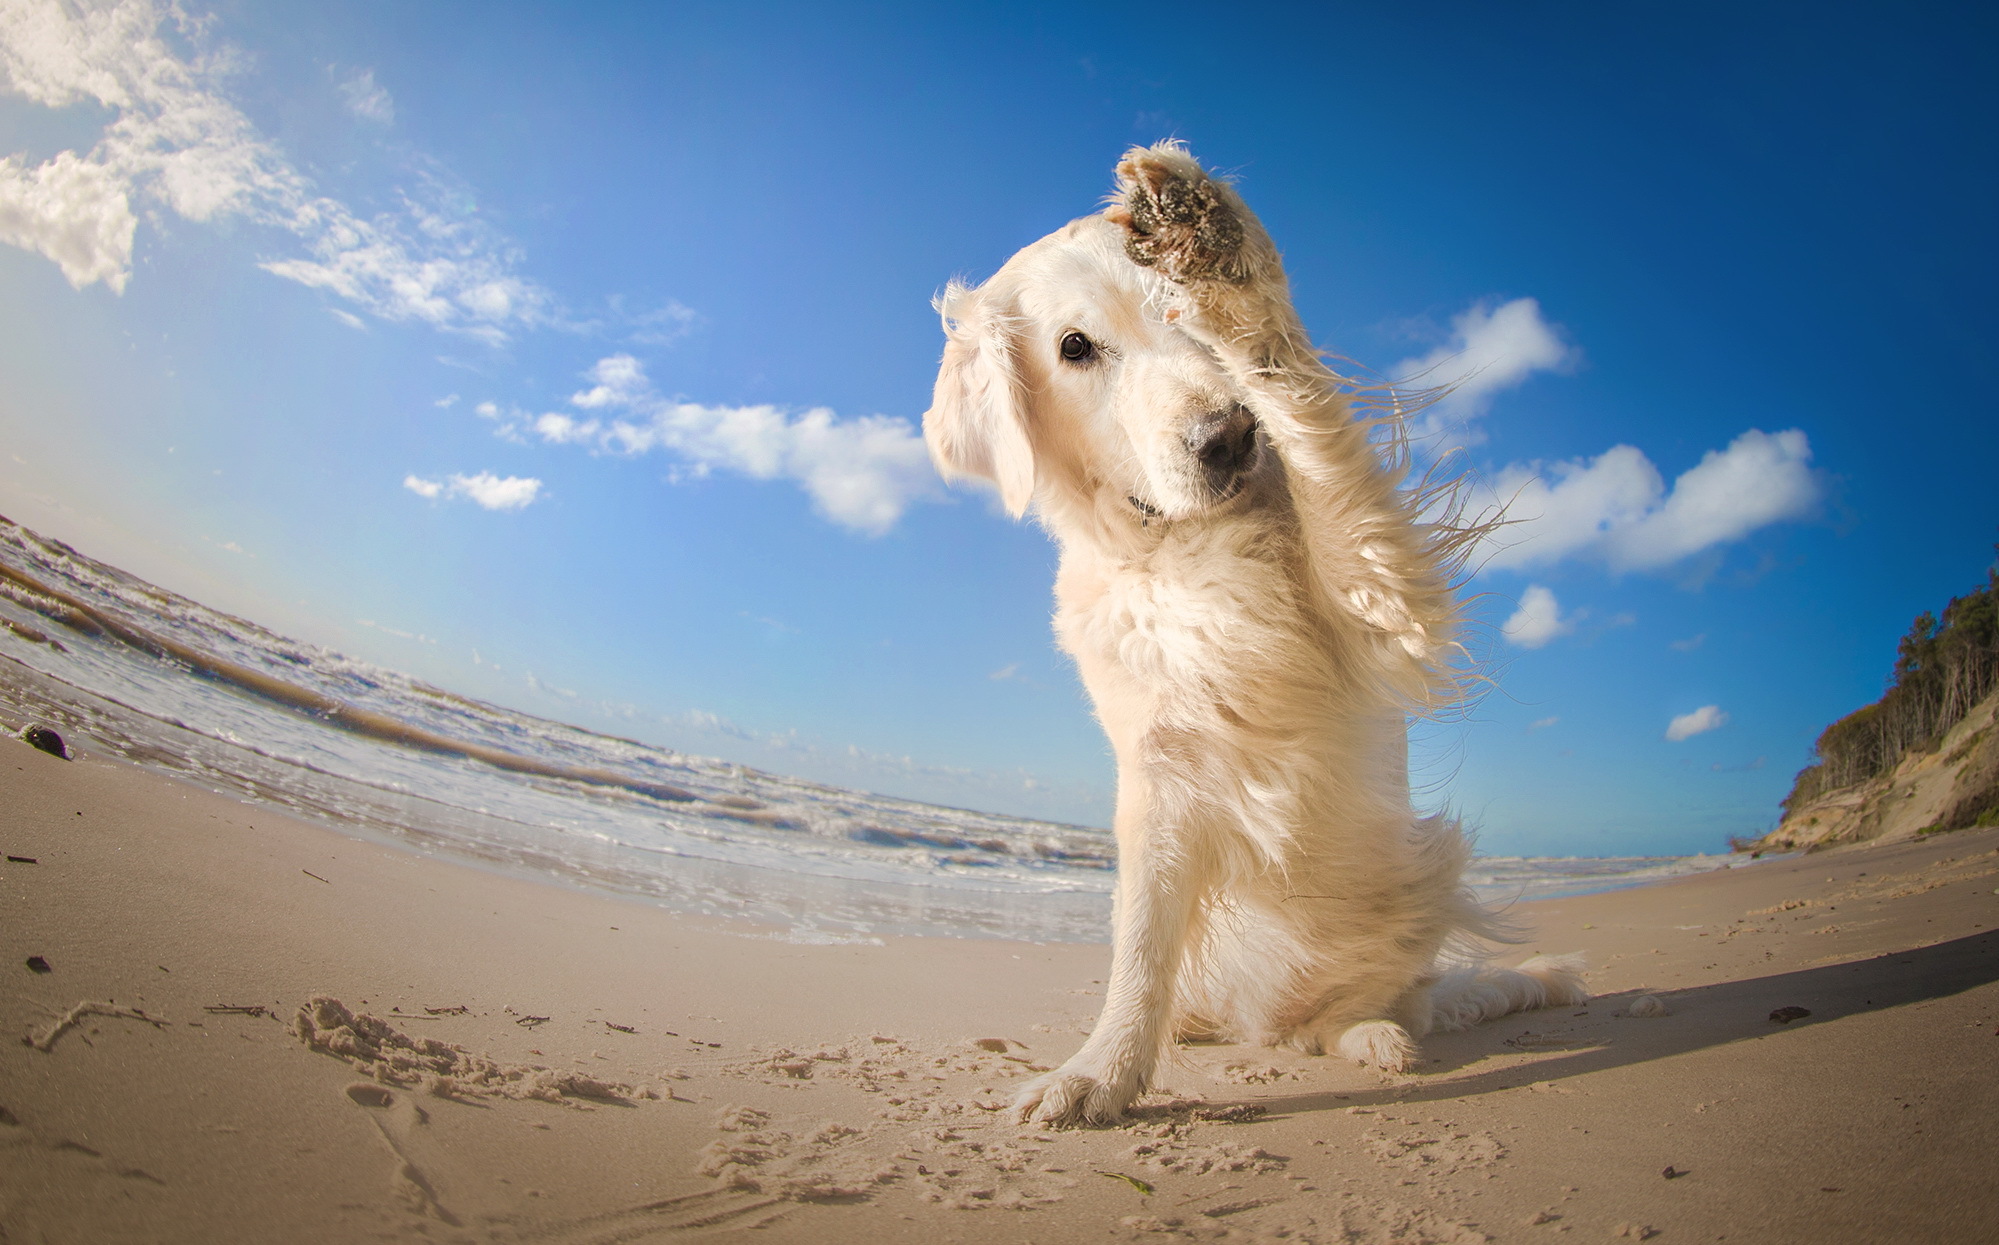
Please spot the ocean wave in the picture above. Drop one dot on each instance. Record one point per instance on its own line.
(169, 683)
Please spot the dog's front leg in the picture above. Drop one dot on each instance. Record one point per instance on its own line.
(1196, 232)
(1157, 900)
(1368, 551)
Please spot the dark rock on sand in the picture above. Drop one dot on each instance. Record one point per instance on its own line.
(45, 739)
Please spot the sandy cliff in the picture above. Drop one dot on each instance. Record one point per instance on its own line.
(1949, 787)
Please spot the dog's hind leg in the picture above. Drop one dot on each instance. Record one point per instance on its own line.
(1462, 997)
(1381, 1044)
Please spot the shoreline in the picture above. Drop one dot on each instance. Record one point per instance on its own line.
(847, 1095)
(869, 904)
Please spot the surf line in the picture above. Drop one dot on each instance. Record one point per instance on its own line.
(83, 617)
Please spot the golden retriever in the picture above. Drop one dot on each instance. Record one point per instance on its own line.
(1256, 607)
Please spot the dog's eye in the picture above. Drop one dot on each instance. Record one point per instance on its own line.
(1077, 348)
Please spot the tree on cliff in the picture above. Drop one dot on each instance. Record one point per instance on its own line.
(1943, 667)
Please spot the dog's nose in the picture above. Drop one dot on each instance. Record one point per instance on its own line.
(1223, 442)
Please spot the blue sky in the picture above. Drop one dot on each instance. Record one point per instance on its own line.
(571, 356)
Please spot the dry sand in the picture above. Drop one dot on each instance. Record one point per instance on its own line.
(627, 1074)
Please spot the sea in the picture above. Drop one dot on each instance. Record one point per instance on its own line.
(124, 668)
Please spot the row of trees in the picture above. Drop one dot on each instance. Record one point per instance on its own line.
(1944, 666)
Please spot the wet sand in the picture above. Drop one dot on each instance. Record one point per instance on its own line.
(627, 1074)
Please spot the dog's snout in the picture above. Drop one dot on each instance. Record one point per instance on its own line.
(1224, 443)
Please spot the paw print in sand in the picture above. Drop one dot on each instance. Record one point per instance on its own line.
(1176, 218)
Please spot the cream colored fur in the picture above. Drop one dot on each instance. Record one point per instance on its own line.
(1254, 646)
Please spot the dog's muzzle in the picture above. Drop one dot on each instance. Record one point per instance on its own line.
(1224, 443)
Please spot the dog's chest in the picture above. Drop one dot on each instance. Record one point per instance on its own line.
(1190, 619)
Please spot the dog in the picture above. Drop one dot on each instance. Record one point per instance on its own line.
(1256, 607)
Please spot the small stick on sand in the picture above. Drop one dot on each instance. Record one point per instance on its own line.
(314, 876)
(529, 1022)
(238, 1009)
(47, 1041)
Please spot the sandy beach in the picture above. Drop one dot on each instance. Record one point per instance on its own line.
(627, 1074)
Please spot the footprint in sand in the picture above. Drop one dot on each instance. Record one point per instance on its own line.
(711, 1208)
(399, 1121)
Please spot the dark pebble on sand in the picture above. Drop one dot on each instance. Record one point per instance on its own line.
(1672, 1172)
(45, 739)
(1785, 1015)
(39, 965)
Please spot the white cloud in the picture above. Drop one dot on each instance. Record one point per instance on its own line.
(174, 139)
(1538, 620)
(1490, 349)
(620, 382)
(1700, 721)
(485, 489)
(72, 212)
(1615, 508)
(367, 99)
(497, 492)
(861, 473)
(1541, 724)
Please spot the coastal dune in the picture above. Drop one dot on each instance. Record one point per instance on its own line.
(235, 1025)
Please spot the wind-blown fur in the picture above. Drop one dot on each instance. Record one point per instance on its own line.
(1256, 606)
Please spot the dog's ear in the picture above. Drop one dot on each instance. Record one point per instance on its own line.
(977, 421)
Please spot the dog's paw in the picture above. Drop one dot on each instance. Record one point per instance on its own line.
(1177, 219)
(1380, 1044)
(1076, 1093)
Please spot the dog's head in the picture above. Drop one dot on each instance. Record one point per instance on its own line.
(1064, 377)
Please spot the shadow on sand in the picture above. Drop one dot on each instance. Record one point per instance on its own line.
(1723, 1013)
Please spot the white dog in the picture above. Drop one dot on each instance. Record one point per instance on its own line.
(1255, 608)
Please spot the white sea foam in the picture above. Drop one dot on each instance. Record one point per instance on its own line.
(820, 863)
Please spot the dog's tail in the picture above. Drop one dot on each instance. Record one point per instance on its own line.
(1464, 996)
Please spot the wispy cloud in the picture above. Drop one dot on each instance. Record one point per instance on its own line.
(661, 326)
(175, 141)
(1541, 724)
(367, 99)
(487, 490)
(861, 473)
(1747, 767)
(1616, 509)
(385, 629)
(1490, 349)
(1538, 620)
(1689, 644)
(1699, 722)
